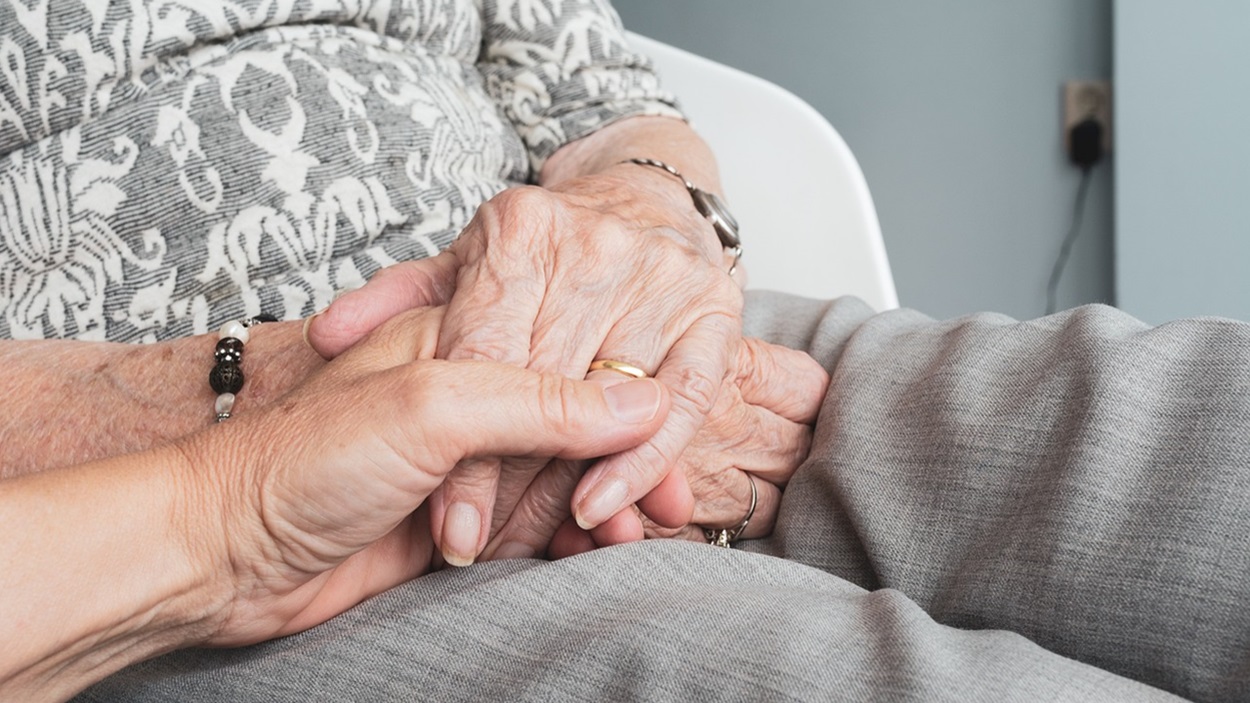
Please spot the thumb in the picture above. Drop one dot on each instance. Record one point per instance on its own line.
(392, 290)
(469, 409)
(382, 447)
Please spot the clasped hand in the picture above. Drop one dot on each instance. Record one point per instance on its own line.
(316, 502)
(617, 265)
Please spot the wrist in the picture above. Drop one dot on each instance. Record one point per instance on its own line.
(606, 152)
(708, 209)
(276, 360)
(168, 382)
(238, 524)
(655, 181)
(647, 199)
(202, 500)
(214, 514)
(666, 138)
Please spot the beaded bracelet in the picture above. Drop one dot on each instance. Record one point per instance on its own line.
(226, 378)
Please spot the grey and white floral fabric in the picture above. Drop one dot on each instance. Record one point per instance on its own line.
(166, 165)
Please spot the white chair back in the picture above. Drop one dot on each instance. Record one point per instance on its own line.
(808, 223)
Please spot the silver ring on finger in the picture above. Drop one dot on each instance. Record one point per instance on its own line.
(726, 536)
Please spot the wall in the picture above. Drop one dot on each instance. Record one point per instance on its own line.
(953, 110)
(1183, 195)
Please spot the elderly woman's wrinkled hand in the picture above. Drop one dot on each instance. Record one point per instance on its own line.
(759, 432)
(616, 265)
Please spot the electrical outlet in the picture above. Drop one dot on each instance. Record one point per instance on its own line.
(1082, 99)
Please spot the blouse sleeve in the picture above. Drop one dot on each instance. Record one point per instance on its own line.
(561, 69)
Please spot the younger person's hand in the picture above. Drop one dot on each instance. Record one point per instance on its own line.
(320, 496)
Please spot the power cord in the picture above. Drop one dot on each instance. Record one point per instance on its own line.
(1085, 150)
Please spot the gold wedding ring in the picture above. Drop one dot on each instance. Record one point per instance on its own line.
(724, 537)
(617, 366)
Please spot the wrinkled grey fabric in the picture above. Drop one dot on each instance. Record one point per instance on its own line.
(992, 510)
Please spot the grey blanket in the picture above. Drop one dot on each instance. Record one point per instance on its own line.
(992, 510)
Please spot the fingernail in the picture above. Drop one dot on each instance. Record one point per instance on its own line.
(634, 402)
(308, 323)
(461, 527)
(514, 550)
(605, 500)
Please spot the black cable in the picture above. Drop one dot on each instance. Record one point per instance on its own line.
(1085, 149)
(1078, 211)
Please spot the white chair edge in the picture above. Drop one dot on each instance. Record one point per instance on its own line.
(887, 292)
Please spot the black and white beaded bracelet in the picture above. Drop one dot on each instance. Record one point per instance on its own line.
(226, 378)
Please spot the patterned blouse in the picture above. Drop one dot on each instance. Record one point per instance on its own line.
(166, 165)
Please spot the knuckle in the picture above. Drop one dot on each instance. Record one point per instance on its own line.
(538, 519)
(557, 401)
(736, 430)
(609, 240)
(775, 437)
(526, 196)
(757, 362)
(610, 227)
(696, 389)
(524, 205)
(748, 359)
(646, 464)
(425, 285)
(506, 223)
(471, 479)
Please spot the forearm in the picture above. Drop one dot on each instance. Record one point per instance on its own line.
(70, 402)
(98, 571)
(664, 138)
